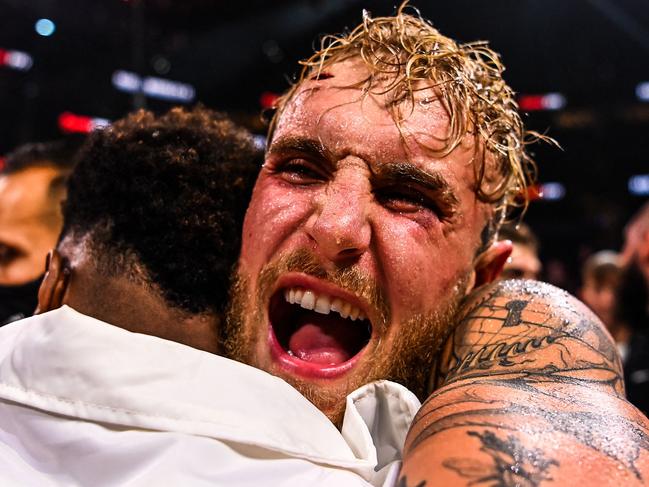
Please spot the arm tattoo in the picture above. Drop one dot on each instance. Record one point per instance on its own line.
(605, 431)
(527, 360)
(511, 463)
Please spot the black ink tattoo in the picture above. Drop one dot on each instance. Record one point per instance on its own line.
(543, 358)
(512, 464)
(514, 309)
(521, 335)
(606, 432)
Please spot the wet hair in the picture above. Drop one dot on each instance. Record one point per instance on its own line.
(404, 53)
(59, 154)
(161, 200)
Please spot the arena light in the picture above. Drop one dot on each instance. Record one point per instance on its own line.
(72, 123)
(45, 27)
(552, 191)
(153, 87)
(547, 101)
(268, 99)
(127, 81)
(639, 185)
(168, 90)
(16, 59)
(642, 91)
(259, 141)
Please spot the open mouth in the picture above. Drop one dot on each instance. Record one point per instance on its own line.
(316, 331)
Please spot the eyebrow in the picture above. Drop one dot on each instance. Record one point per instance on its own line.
(298, 144)
(396, 172)
(406, 173)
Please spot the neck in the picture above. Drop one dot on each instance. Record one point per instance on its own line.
(140, 309)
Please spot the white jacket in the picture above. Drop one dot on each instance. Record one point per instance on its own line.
(85, 403)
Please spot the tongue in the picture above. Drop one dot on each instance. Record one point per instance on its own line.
(323, 339)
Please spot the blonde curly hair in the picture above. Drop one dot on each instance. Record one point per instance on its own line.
(467, 78)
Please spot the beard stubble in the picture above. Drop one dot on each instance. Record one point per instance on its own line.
(409, 360)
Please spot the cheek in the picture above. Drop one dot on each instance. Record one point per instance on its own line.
(421, 266)
(275, 213)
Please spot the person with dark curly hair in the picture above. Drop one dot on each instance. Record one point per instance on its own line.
(112, 383)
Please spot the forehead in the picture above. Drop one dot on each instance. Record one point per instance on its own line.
(344, 112)
(25, 194)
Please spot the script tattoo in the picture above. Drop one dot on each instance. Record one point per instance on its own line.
(498, 335)
(512, 464)
(527, 358)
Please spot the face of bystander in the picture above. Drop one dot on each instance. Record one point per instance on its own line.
(523, 263)
(30, 221)
(358, 243)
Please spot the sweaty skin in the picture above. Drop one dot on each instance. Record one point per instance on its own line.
(529, 393)
(360, 199)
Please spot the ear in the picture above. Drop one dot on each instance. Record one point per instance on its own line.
(489, 264)
(51, 294)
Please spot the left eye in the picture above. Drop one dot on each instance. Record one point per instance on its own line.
(299, 171)
(405, 200)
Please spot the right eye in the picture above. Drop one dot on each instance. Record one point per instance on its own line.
(7, 254)
(299, 171)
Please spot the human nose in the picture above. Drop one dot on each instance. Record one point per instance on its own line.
(339, 226)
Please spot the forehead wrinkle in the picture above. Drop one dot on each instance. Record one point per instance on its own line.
(408, 173)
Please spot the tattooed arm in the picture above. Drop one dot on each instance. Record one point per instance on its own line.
(529, 392)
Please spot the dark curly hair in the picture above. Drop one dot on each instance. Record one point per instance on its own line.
(162, 199)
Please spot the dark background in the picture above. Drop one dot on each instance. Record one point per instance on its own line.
(594, 52)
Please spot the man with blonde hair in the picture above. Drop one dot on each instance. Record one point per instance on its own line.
(390, 165)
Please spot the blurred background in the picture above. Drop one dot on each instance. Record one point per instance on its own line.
(580, 67)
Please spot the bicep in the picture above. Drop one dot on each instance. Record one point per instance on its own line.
(529, 392)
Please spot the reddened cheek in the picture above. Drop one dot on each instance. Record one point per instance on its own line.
(274, 215)
(420, 266)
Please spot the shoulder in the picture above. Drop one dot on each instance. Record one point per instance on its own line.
(529, 390)
(534, 331)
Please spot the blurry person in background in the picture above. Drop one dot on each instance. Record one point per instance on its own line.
(632, 307)
(32, 186)
(523, 263)
(600, 278)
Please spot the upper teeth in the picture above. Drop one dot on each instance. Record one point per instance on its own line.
(321, 303)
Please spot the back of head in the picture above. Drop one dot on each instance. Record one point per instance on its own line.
(519, 233)
(602, 268)
(601, 275)
(59, 154)
(160, 201)
(524, 262)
